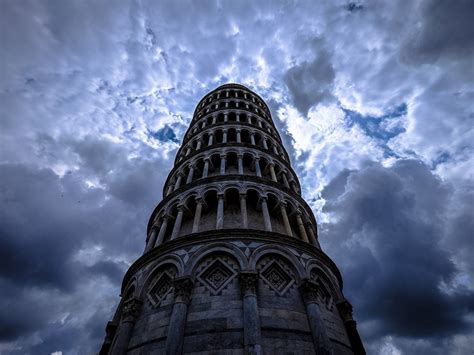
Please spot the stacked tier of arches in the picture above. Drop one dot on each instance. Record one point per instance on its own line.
(231, 133)
(232, 205)
(226, 94)
(228, 116)
(231, 160)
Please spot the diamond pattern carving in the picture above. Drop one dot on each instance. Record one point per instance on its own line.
(216, 276)
(160, 289)
(276, 277)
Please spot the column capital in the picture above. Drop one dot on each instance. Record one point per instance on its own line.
(131, 309)
(309, 291)
(183, 287)
(199, 199)
(345, 309)
(243, 194)
(240, 155)
(248, 282)
(180, 207)
(220, 195)
(223, 155)
(283, 203)
(264, 198)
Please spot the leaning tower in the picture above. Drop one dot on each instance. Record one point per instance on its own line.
(232, 263)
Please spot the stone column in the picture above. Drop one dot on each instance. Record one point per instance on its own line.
(294, 186)
(249, 118)
(199, 142)
(209, 142)
(177, 223)
(203, 124)
(243, 209)
(252, 333)
(266, 214)
(272, 172)
(170, 189)
(240, 163)
(152, 239)
(257, 167)
(182, 295)
(130, 311)
(224, 136)
(237, 117)
(286, 222)
(178, 181)
(345, 310)
(189, 179)
(197, 215)
(205, 171)
(285, 180)
(161, 234)
(188, 151)
(214, 118)
(260, 124)
(312, 237)
(220, 211)
(301, 228)
(252, 138)
(222, 170)
(309, 291)
(265, 144)
(239, 139)
(226, 116)
(110, 330)
(275, 149)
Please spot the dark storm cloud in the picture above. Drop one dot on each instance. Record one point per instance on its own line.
(445, 32)
(311, 82)
(390, 226)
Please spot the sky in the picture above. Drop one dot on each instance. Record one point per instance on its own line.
(374, 102)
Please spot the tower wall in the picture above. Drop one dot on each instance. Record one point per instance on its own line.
(232, 263)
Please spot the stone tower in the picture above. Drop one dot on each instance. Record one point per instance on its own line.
(232, 263)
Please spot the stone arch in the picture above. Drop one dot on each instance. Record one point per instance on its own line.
(215, 248)
(264, 250)
(315, 270)
(160, 264)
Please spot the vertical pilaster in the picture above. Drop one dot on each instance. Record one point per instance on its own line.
(177, 223)
(197, 215)
(286, 222)
(189, 179)
(258, 171)
(301, 228)
(152, 239)
(182, 296)
(345, 310)
(243, 209)
(266, 214)
(205, 171)
(222, 169)
(178, 181)
(312, 237)
(240, 163)
(272, 172)
(161, 234)
(309, 291)
(252, 333)
(220, 211)
(130, 311)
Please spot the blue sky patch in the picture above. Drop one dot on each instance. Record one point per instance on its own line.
(165, 134)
